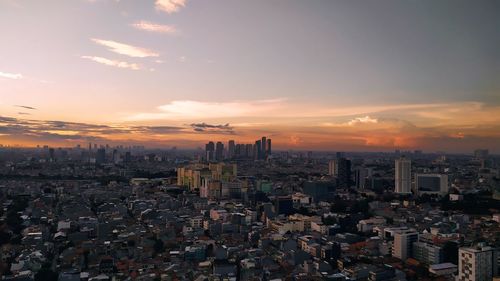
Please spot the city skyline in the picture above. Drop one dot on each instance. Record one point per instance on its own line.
(322, 75)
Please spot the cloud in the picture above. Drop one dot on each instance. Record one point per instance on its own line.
(26, 107)
(63, 132)
(182, 59)
(8, 75)
(154, 27)
(125, 49)
(115, 63)
(188, 109)
(204, 127)
(24, 113)
(170, 6)
(362, 120)
(160, 130)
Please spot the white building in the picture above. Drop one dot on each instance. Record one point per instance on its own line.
(403, 176)
(476, 263)
(403, 243)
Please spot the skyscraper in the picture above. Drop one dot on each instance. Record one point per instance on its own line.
(264, 148)
(219, 151)
(402, 176)
(344, 173)
(209, 151)
(269, 152)
(231, 149)
(333, 168)
(360, 175)
(258, 149)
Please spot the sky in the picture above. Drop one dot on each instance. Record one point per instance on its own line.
(371, 75)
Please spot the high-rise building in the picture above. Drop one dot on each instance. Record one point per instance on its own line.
(231, 149)
(477, 263)
(219, 151)
(360, 175)
(333, 168)
(52, 154)
(431, 184)
(264, 148)
(269, 151)
(209, 151)
(402, 176)
(116, 156)
(249, 151)
(257, 152)
(403, 243)
(100, 157)
(344, 173)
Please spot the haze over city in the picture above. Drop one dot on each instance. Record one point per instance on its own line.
(315, 75)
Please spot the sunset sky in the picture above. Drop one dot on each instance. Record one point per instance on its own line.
(371, 75)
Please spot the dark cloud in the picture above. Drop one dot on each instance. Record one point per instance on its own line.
(60, 131)
(158, 129)
(4, 119)
(50, 130)
(26, 107)
(209, 128)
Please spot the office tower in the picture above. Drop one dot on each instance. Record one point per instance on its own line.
(269, 151)
(264, 148)
(333, 168)
(403, 176)
(344, 173)
(219, 151)
(100, 157)
(231, 149)
(209, 151)
(360, 175)
(477, 263)
(257, 152)
(431, 184)
(403, 243)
